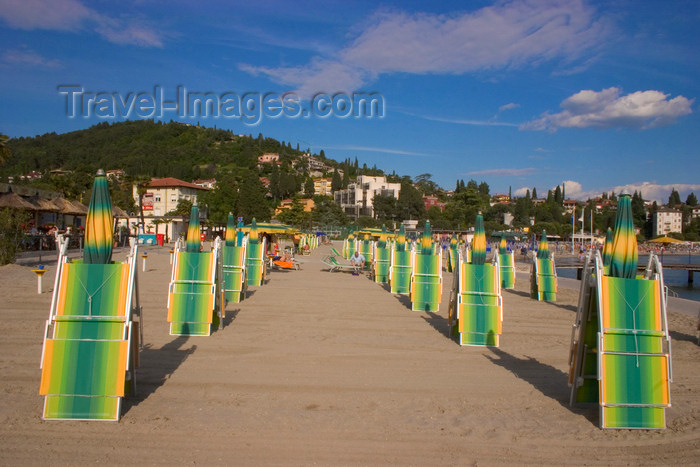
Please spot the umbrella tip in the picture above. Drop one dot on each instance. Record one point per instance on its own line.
(100, 172)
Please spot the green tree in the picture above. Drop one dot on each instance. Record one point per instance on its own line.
(410, 204)
(327, 212)
(385, 207)
(11, 233)
(674, 199)
(251, 199)
(336, 181)
(183, 209)
(309, 188)
(691, 200)
(295, 215)
(222, 199)
(4, 149)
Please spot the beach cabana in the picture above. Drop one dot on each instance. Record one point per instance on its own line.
(620, 355)
(92, 336)
(233, 254)
(426, 274)
(475, 314)
(543, 275)
(194, 304)
(382, 258)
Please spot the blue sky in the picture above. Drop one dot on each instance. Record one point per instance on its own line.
(600, 95)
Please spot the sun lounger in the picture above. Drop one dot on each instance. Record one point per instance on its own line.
(543, 279)
(192, 296)
(632, 348)
(382, 263)
(335, 266)
(476, 311)
(91, 340)
(255, 264)
(426, 281)
(400, 271)
(234, 273)
(506, 262)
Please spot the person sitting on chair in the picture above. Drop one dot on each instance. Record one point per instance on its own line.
(357, 260)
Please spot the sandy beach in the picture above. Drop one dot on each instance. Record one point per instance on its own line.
(331, 369)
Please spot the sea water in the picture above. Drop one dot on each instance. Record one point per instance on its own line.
(675, 279)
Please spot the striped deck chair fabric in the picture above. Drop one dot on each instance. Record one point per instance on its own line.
(479, 305)
(544, 280)
(86, 360)
(382, 263)
(367, 250)
(507, 265)
(426, 282)
(400, 271)
(233, 259)
(192, 294)
(634, 379)
(255, 263)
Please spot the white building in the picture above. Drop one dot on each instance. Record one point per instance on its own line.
(162, 195)
(357, 199)
(667, 220)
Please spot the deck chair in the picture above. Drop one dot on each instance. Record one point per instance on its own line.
(193, 302)
(336, 253)
(506, 262)
(426, 281)
(381, 265)
(255, 264)
(400, 271)
(543, 280)
(476, 308)
(452, 258)
(336, 266)
(91, 340)
(234, 273)
(633, 349)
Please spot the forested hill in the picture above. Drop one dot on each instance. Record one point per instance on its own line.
(142, 147)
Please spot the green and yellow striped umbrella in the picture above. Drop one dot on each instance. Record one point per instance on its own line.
(230, 238)
(253, 232)
(240, 235)
(503, 246)
(453, 241)
(381, 243)
(543, 248)
(479, 241)
(193, 242)
(607, 248)
(623, 261)
(426, 241)
(401, 239)
(99, 223)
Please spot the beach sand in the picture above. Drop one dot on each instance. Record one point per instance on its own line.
(331, 369)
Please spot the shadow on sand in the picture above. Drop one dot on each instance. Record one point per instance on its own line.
(440, 324)
(545, 378)
(156, 366)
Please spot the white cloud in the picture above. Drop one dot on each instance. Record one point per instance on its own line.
(28, 57)
(72, 15)
(651, 191)
(460, 121)
(607, 109)
(508, 35)
(503, 172)
(382, 150)
(511, 105)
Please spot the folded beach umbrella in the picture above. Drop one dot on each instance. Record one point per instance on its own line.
(240, 235)
(253, 233)
(453, 241)
(607, 248)
(98, 226)
(623, 261)
(479, 241)
(543, 248)
(502, 247)
(401, 239)
(426, 241)
(230, 237)
(381, 243)
(193, 241)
